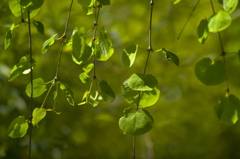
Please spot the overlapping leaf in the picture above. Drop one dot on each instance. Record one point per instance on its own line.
(18, 127)
(227, 109)
(229, 5)
(136, 122)
(8, 37)
(39, 87)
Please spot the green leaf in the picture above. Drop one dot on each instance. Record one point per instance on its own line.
(219, 22)
(81, 52)
(210, 72)
(136, 122)
(86, 3)
(47, 43)
(38, 115)
(176, 1)
(104, 46)
(84, 77)
(18, 127)
(69, 93)
(8, 37)
(88, 67)
(148, 98)
(104, 2)
(171, 56)
(202, 31)
(106, 91)
(227, 109)
(229, 5)
(39, 87)
(39, 26)
(139, 82)
(23, 67)
(17, 9)
(88, 10)
(129, 54)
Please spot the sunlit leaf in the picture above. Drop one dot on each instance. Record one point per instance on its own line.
(33, 5)
(88, 67)
(129, 54)
(47, 43)
(171, 56)
(88, 10)
(39, 87)
(141, 82)
(227, 109)
(210, 72)
(18, 127)
(106, 91)
(104, 2)
(104, 46)
(219, 22)
(176, 1)
(38, 115)
(69, 93)
(23, 67)
(39, 26)
(81, 51)
(148, 98)
(8, 37)
(136, 122)
(202, 31)
(84, 77)
(229, 5)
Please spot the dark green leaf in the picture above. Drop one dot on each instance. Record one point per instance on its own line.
(104, 47)
(39, 87)
(202, 31)
(136, 122)
(81, 52)
(8, 37)
(39, 26)
(69, 93)
(47, 43)
(23, 67)
(219, 22)
(86, 3)
(18, 127)
(227, 109)
(84, 77)
(106, 91)
(38, 115)
(210, 72)
(129, 54)
(139, 82)
(171, 56)
(104, 2)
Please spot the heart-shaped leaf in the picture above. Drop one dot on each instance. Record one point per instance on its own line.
(18, 127)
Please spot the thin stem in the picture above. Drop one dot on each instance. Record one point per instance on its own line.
(223, 53)
(63, 39)
(149, 50)
(185, 24)
(95, 25)
(31, 85)
(47, 95)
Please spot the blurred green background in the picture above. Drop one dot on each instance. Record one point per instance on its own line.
(185, 124)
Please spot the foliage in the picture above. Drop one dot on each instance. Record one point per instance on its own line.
(84, 66)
